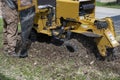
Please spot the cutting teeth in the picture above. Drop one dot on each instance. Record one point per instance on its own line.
(113, 54)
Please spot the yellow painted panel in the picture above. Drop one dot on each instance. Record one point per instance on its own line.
(67, 9)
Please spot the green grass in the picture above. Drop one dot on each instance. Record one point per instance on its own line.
(1, 24)
(3, 77)
(110, 5)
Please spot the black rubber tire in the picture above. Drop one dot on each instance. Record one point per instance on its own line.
(71, 45)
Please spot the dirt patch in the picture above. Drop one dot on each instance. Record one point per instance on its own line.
(110, 65)
(50, 53)
(53, 53)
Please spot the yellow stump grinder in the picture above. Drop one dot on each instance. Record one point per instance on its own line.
(61, 18)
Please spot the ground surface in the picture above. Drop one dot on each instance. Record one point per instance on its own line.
(48, 61)
(102, 12)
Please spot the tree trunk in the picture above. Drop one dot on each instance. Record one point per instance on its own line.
(118, 1)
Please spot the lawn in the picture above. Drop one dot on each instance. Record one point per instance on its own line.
(110, 5)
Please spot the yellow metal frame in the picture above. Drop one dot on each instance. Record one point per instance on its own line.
(81, 24)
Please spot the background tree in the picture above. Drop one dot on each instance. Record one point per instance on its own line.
(118, 1)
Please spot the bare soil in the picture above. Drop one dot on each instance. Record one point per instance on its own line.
(86, 53)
